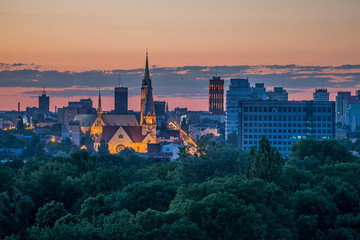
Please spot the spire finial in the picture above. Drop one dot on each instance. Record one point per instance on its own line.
(99, 110)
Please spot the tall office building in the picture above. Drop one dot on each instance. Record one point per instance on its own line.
(239, 89)
(121, 100)
(44, 102)
(216, 95)
(284, 122)
(321, 94)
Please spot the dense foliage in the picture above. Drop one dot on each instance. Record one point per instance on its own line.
(222, 194)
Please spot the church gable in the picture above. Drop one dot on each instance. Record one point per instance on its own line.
(120, 136)
(148, 139)
(119, 141)
(96, 127)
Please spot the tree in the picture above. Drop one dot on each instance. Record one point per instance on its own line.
(15, 213)
(39, 151)
(56, 129)
(50, 213)
(232, 138)
(141, 196)
(265, 163)
(214, 161)
(329, 151)
(104, 147)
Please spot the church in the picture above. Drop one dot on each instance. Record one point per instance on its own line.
(126, 132)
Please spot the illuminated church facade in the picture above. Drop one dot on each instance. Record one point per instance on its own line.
(123, 131)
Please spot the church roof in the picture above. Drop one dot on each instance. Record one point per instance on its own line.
(107, 133)
(120, 120)
(135, 133)
(86, 120)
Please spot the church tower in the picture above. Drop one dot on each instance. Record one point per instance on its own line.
(149, 119)
(144, 88)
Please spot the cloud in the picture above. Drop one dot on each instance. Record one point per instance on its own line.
(185, 81)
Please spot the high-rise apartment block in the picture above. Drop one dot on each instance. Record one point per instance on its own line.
(44, 102)
(121, 100)
(216, 96)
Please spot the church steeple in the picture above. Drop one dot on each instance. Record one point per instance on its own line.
(149, 108)
(148, 123)
(99, 110)
(147, 72)
(144, 87)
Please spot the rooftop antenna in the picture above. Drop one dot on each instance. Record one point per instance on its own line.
(322, 83)
(44, 91)
(215, 71)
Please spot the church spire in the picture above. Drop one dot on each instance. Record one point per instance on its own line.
(99, 110)
(149, 109)
(147, 72)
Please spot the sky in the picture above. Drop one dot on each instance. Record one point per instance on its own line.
(74, 48)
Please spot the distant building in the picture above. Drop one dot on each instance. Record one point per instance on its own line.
(239, 89)
(348, 110)
(279, 94)
(67, 114)
(159, 107)
(160, 112)
(173, 149)
(216, 96)
(72, 131)
(44, 102)
(121, 100)
(258, 92)
(284, 122)
(321, 94)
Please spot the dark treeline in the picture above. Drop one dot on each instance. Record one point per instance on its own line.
(222, 194)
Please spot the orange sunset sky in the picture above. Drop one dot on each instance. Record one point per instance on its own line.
(82, 35)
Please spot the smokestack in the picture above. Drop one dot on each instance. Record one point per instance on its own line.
(18, 106)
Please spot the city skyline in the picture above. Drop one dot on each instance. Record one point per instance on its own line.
(180, 86)
(76, 48)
